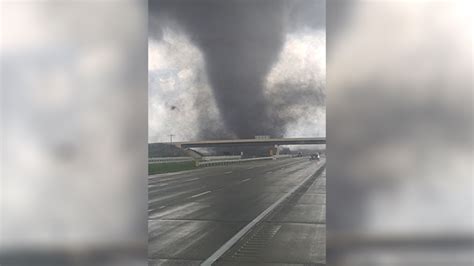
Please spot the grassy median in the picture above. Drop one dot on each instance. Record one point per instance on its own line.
(161, 168)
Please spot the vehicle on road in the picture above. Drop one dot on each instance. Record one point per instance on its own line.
(315, 156)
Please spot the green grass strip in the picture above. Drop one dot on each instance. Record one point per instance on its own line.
(161, 168)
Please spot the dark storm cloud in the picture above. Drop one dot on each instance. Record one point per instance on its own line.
(240, 41)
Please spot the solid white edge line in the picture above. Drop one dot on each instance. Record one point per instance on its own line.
(227, 245)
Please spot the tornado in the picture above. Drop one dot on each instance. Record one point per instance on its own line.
(240, 41)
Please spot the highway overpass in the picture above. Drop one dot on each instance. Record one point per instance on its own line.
(250, 142)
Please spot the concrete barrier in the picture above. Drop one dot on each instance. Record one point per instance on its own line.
(282, 156)
(169, 160)
(213, 160)
(226, 162)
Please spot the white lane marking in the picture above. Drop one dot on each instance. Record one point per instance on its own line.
(192, 179)
(200, 194)
(269, 172)
(245, 180)
(175, 182)
(251, 167)
(161, 207)
(173, 195)
(155, 185)
(230, 172)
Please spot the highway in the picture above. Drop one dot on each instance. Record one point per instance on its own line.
(194, 213)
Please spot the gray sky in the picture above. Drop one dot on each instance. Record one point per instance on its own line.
(236, 69)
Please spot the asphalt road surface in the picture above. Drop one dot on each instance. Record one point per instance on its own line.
(193, 213)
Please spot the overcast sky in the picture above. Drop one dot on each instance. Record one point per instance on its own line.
(236, 69)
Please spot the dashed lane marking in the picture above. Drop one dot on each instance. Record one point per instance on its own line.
(200, 194)
(192, 179)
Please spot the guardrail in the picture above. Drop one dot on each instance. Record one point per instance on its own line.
(169, 159)
(281, 156)
(225, 162)
(222, 158)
